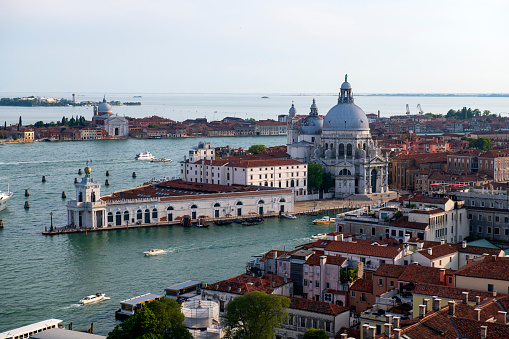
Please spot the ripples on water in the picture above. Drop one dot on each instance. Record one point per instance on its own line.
(45, 277)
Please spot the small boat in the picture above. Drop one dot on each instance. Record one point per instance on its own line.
(265, 97)
(92, 298)
(144, 156)
(223, 222)
(153, 252)
(161, 160)
(238, 221)
(324, 220)
(155, 181)
(201, 224)
(313, 213)
(289, 216)
(4, 198)
(319, 236)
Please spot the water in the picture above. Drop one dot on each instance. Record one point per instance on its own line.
(44, 277)
(217, 106)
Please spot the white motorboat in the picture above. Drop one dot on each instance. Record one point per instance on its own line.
(324, 220)
(144, 156)
(289, 216)
(153, 252)
(161, 160)
(92, 298)
(4, 198)
(319, 236)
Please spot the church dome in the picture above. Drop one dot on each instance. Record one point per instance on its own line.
(104, 107)
(346, 115)
(292, 110)
(313, 123)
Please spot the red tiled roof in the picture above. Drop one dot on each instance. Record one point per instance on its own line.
(490, 268)
(391, 271)
(362, 285)
(314, 260)
(417, 273)
(403, 222)
(450, 292)
(245, 283)
(317, 306)
(364, 249)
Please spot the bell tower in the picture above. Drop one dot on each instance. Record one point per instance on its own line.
(292, 126)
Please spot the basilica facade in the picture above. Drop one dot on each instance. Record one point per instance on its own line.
(341, 143)
(116, 126)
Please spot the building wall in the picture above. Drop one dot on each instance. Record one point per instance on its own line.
(293, 327)
(481, 284)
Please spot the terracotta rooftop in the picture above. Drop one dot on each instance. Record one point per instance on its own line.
(489, 268)
(245, 283)
(314, 260)
(417, 273)
(317, 306)
(388, 251)
(403, 222)
(391, 271)
(451, 292)
(362, 285)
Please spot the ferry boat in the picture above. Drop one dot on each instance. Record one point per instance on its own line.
(129, 306)
(144, 156)
(319, 236)
(324, 220)
(153, 252)
(4, 198)
(92, 298)
(184, 290)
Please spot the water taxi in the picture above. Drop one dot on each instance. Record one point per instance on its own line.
(144, 156)
(289, 216)
(92, 298)
(324, 220)
(319, 236)
(153, 252)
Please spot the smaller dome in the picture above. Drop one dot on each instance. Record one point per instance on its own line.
(346, 85)
(292, 110)
(201, 144)
(88, 170)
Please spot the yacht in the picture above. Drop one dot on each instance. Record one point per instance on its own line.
(324, 220)
(319, 236)
(92, 298)
(4, 198)
(153, 252)
(144, 156)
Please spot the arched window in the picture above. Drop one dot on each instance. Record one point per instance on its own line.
(349, 150)
(326, 146)
(118, 219)
(217, 204)
(139, 215)
(292, 183)
(194, 206)
(364, 146)
(344, 171)
(261, 202)
(93, 196)
(147, 216)
(110, 217)
(282, 200)
(80, 197)
(239, 203)
(154, 213)
(341, 149)
(331, 146)
(170, 208)
(126, 216)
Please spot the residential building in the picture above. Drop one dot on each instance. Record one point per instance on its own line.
(490, 273)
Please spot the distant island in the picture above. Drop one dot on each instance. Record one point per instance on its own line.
(33, 101)
(460, 95)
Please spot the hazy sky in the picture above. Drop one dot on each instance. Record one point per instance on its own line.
(254, 46)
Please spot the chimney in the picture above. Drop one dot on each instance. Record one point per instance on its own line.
(372, 332)
(484, 332)
(442, 241)
(340, 237)
(397, 334)
(426, 303)
(464, 244)
(430, 251)
(422, 311)
(388, 329)
(365, 328)
(502, 317)
(494, 293)
(477, 300)
(389, 318)
(344, 335)
(436, 304)
(465, 297)
(407, 237)
(442, 276)
(323, 258)
(477, 312)
(396, 323)
(452, 307)
(378, 114)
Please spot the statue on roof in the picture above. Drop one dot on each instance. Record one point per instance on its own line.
(346, 77)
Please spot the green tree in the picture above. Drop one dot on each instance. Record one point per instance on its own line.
(20, 123)
(152, 126)
(255, 315)
(327, 182)
(251, 120)
(314, 333)
(160, 319)
(315, 176)
(481, 143)
(256, 149)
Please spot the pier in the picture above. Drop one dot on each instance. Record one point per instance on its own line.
(300, 208)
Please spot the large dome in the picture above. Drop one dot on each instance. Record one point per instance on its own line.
(104, 107)
(346, 115)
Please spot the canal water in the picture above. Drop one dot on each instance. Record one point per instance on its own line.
(44, 277)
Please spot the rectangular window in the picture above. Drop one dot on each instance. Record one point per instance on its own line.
(489, 230)
(317, 270)
(450, 280)
(305, 282)
(479, 229)
(327, 326)
(327, 285)
(470, 216)
(497, 230)
(506, 231)
(497, 219)
(317, 283)
(353, 294)
(393, 233)
(489, 218)
(490, 287)
(391, 283)
(479, 217)
(302, 322)
(380, 282)
(363, 296)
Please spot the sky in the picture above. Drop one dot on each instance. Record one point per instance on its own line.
(283, 46)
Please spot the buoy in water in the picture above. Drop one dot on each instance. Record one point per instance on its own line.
(134, 174)
(1, 223)
(107, 173)
(27, 193)
(64, 195)
(80, 172)
(43, 178)
(27, 205)
(107, 182)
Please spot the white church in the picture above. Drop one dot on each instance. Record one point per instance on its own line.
(116, 126)
(341, 143)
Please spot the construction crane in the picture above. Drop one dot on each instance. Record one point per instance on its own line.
(421, 112)
(407, 110)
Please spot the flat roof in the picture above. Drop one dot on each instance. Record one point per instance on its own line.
(60, 333)
(30, 328)
(184, 284)
(141, 298)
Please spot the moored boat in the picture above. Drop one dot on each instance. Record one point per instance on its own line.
(319, 236)
(92, 298)
(153, 252)
(289, 216)
(161, 160)
(4, 198)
